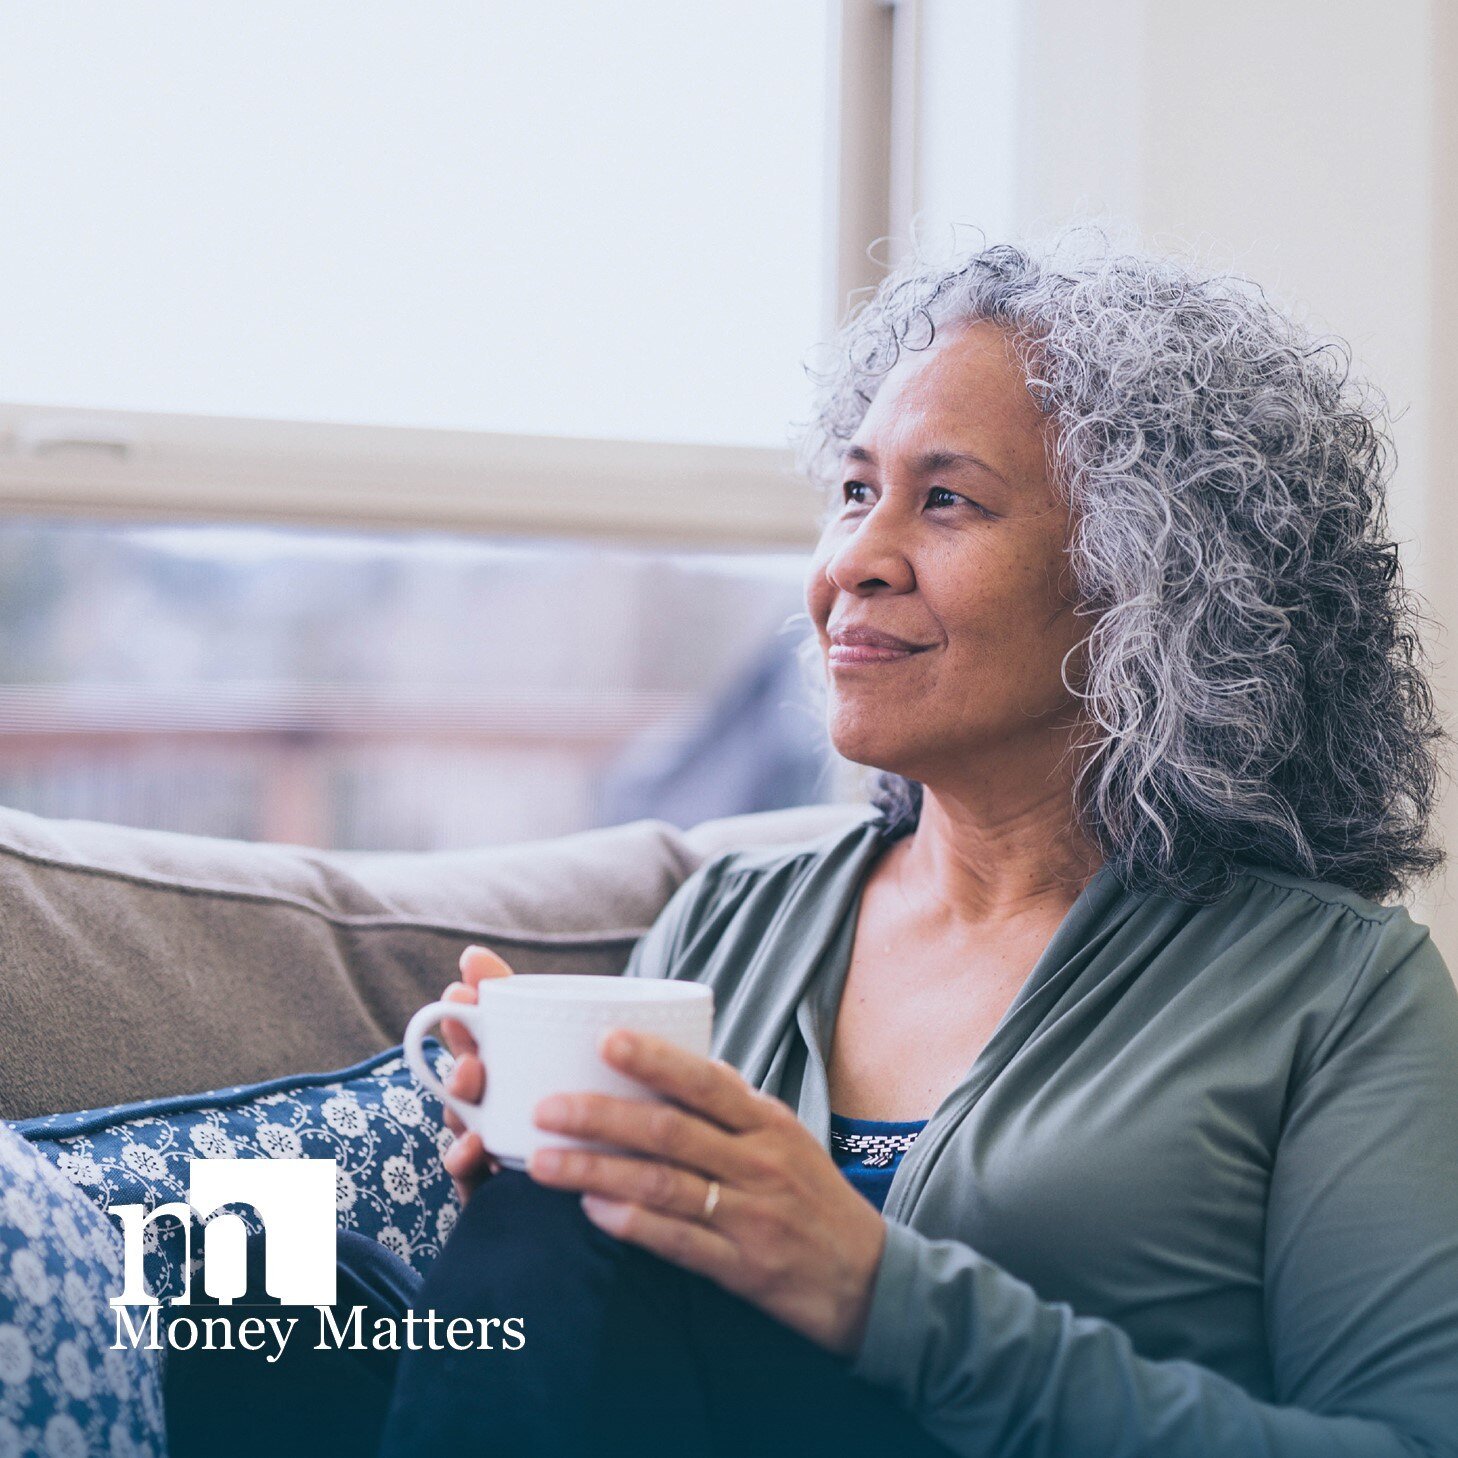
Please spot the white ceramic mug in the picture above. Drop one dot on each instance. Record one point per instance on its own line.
(538, 1034)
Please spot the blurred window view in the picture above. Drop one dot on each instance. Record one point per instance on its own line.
(396, 693)
(394, 413)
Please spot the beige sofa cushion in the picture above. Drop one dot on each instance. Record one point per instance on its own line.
(142, 963)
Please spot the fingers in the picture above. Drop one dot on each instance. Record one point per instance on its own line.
(709, 1086)
(646, 1182)
(468, 1078)
(644, 1127)
(478, 964)
(468, 1163)
(684, 1242)
(458, 1037)
(468, 1083)
(463, 1156)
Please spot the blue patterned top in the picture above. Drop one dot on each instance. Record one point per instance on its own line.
(868, 1151)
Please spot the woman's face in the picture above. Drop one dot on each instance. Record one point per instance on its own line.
(946, 534)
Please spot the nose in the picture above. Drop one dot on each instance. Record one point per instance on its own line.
(871, 558)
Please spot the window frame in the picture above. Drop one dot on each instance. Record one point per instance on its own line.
(126, 465)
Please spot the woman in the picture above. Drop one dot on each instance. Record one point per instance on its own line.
(1104, 1004)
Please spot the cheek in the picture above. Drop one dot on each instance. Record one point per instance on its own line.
(978, 595)
(818, 593)
(1006, 613)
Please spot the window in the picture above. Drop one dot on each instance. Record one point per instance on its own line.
(396, 693)
(560, 218)
(491, 324)
(359, 267)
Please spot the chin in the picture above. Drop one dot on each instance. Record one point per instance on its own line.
(871, 741)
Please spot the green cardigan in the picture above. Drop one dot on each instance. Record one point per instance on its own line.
(1198, 1195)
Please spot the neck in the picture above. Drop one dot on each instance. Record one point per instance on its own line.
(995, 858)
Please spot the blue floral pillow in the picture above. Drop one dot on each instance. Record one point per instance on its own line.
(384, 1131)
(63, 1390)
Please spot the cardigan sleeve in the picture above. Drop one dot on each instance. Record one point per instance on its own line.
(1361, 1283)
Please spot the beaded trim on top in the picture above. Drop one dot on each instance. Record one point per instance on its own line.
(875, 1151)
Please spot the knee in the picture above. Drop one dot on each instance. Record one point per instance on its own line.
(520, 1244)
(510, 1209)
(370, 1274)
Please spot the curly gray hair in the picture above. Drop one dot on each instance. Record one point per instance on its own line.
(1255, 687)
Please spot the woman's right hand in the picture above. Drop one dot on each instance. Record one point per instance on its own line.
(467, 1161)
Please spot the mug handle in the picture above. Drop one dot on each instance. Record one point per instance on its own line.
(414, 1040)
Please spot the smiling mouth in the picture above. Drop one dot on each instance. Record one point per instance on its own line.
(849, 655)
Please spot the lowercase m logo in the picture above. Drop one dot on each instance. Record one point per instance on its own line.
(293, 1198)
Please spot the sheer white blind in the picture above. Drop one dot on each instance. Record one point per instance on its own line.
(554, 217)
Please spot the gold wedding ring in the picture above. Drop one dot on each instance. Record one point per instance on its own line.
(711, 1200)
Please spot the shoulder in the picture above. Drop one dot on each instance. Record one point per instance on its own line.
(1320, 898)
(1329, 915)
(1272, 905)
(1357, 959)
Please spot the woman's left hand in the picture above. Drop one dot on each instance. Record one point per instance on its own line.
(788, 1233)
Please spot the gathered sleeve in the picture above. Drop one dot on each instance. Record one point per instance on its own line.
(1360, 1271)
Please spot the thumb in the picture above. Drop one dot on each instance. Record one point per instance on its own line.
(478, 964)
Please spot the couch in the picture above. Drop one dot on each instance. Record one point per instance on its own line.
(142, 963)
(167, 997)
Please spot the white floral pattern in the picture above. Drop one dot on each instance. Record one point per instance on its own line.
(445, 1222)
(279, 1142)
(63, 1392)
(395, 1239)
(64, 1438)
(405, 1105)
(400, 1180)
(21, 1212)
(146, 1161)
(28, 1272)
(346, 1192)
(344, 1114)
(385, 1132)
(210, 1142)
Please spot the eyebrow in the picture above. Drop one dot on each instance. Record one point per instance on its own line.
(931, 461)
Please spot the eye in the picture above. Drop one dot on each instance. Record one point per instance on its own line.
(951, 498)
(849, 489)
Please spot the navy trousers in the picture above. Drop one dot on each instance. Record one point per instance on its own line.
(624, 1353)
(305, 1402)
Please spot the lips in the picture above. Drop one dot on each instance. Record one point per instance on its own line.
(851, 645)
